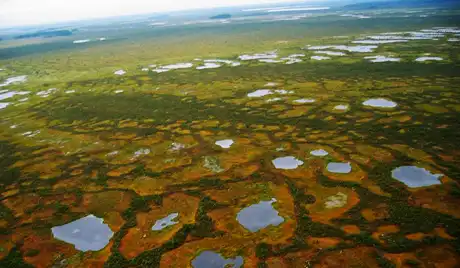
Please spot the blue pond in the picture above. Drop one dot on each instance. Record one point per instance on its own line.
(211, 259)
(86, 234)
(342, 168)
(415, 177)
(259, 216)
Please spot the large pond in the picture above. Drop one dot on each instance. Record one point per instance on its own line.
(342, 168)
(380, 103)
(259, 216)
(211, 259)
(165, 222)
(288, 162)
(86, 234)
(415, 177)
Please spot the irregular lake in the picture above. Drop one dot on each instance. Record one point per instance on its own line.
(225, 143)
(259, 216)
(342, 168)
(288, 162)
(319, 152)
(260, 93)
(211, 259)
(165, 222)
(380, 103)
(415, 177)
(86, 234)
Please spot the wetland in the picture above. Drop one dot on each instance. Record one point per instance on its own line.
(235, 143)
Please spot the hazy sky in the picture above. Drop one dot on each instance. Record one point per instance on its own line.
(24, 12)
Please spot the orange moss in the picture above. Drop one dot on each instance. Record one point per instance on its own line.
(121, 171)
(245, 171)
(354, 257)
(441, 232)
(380, 212)
(351, 229)
(437, 198)
(325, 209)
(297, 111)
(49, 250)
(323, 242)
(416, 236)
(400, 259)
(383, 230)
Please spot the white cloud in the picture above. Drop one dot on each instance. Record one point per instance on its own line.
(23, 12)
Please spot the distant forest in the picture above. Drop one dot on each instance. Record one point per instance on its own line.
(46, 34)
(221, 16)
(401, 4)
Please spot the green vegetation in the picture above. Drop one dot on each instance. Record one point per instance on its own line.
(221, 17)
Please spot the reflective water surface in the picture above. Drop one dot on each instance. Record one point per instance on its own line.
(86, 234)
(259, 216)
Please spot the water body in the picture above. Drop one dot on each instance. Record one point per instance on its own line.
(283, 91)
(167, 68)
(355, 16)
(46, 93)
(330, 53)
(175, 146)
(225, 143)
(165, 222)
(319, 153)
(368, 42)
(260, 93)
(259, 216)
(294, 58)
(270, 55)
(360, 49)
(269, 61)
(81, 41)
(297, 9)
(382, 59)
(320, 58)
(14, 80)
(274, 99)
(11, 94)
(341, 168)
(211, 259)
(288, 162)
(209, 65)
(303, 101)
(119, 72)
(415, 177)
(421, 59)
(228, 62)
(141, 152)
(86, 234)
(380, 103)
(342, 107)
(291, 60)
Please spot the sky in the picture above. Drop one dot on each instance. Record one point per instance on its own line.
(30, 12)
